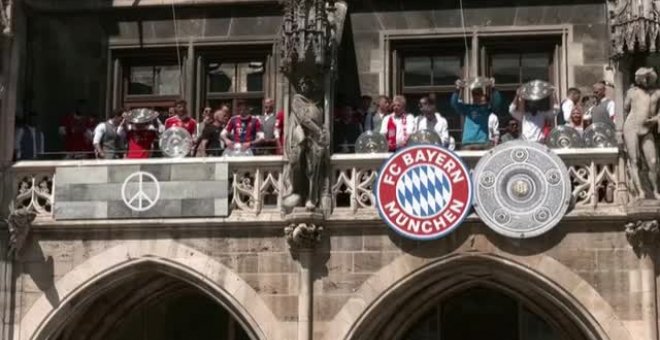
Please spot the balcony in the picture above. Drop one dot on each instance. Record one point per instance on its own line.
(255, 195)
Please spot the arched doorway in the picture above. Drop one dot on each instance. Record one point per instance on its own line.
(483, 313)
(151, 305)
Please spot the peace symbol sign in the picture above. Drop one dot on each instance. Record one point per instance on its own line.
(143, 193)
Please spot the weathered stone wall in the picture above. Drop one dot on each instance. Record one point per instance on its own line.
(593, 262)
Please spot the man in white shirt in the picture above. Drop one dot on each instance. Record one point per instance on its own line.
(493, 129)
(431, 120)
(573, 97)
(107, 138)
(398, 126)
(534, 117)
(374, 119)
(29, 140)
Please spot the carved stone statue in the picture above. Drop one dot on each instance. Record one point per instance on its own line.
(18, 222)
(306, 147)
(641, 120)
(310, 35)
(6, 16)
(303, 235)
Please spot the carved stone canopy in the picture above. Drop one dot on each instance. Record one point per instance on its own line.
(642, 235)
(304, 231)
(635, 25)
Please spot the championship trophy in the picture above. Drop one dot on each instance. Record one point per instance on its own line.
(141, 116)
(522, 189)
(424, 136)
(564, 137)
(237, 151)
(176, 142)
(600, 135)
(536, 90)
(370, 142)
(479, 83)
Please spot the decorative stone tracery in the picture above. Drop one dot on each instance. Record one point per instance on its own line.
(635, 25)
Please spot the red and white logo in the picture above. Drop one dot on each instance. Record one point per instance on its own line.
(423, 192)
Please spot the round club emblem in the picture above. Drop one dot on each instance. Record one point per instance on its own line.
(524, 189)
(423, 192)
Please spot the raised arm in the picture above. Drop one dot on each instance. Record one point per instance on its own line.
(457, 105)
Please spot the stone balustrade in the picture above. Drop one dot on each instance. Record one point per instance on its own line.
(256, 182)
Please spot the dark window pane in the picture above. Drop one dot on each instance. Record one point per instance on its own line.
(168, 79)
(221, 77)
(505, 68)
(252, 76)
(446, 69)
(535, 66)
(417, 71)
(141, 80)
(255, 106)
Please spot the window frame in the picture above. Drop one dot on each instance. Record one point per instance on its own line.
(232, 54)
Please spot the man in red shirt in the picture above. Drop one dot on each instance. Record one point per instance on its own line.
(279, 132)
(243, 130)
(76, 130)
(140, 138)
(182, 119)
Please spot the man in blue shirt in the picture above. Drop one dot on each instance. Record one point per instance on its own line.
(475, 128)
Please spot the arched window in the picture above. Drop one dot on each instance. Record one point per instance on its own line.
(481, 313)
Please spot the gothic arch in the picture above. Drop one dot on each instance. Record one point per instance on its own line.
(379, 300)
(90, 279)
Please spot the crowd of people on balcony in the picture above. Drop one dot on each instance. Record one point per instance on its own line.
(220, 130)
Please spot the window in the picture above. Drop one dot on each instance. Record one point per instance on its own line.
(431, 67)
(513, 63)
(227, 82)
(152, 78)
(157, 80)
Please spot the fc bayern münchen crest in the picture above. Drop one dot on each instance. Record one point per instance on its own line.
(423, 192)
(522, 189)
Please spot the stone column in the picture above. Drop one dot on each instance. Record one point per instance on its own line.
(643, 236)
(620, 76)
(303, 234)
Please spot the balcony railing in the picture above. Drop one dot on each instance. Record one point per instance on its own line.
(256, 182)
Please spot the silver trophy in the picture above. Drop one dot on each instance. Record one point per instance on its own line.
(424, 136)
(536, 90)
(176, 142)
(237, 151)
(371, 142)
(600, 135)
(141, 116)
(522, 189)
(564, 137)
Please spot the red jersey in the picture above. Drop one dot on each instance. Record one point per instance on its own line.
(279, 129)
(187, 123)
(77, 131)
(139, 143)
(243, 129)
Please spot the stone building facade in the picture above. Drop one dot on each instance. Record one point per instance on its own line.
(240, 275)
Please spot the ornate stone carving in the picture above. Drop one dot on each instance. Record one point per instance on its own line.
(310, 34)
(639, 128)
(642, 235)
(18, 223)
(635, 25)
(6, 16)
(35, 193)
(303, 235)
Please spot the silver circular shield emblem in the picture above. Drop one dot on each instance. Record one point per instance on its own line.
(176, 142)
(523, 189)
(424, 136)
(600, 135)
(564, 137)
(371, 142)
(141, 116)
